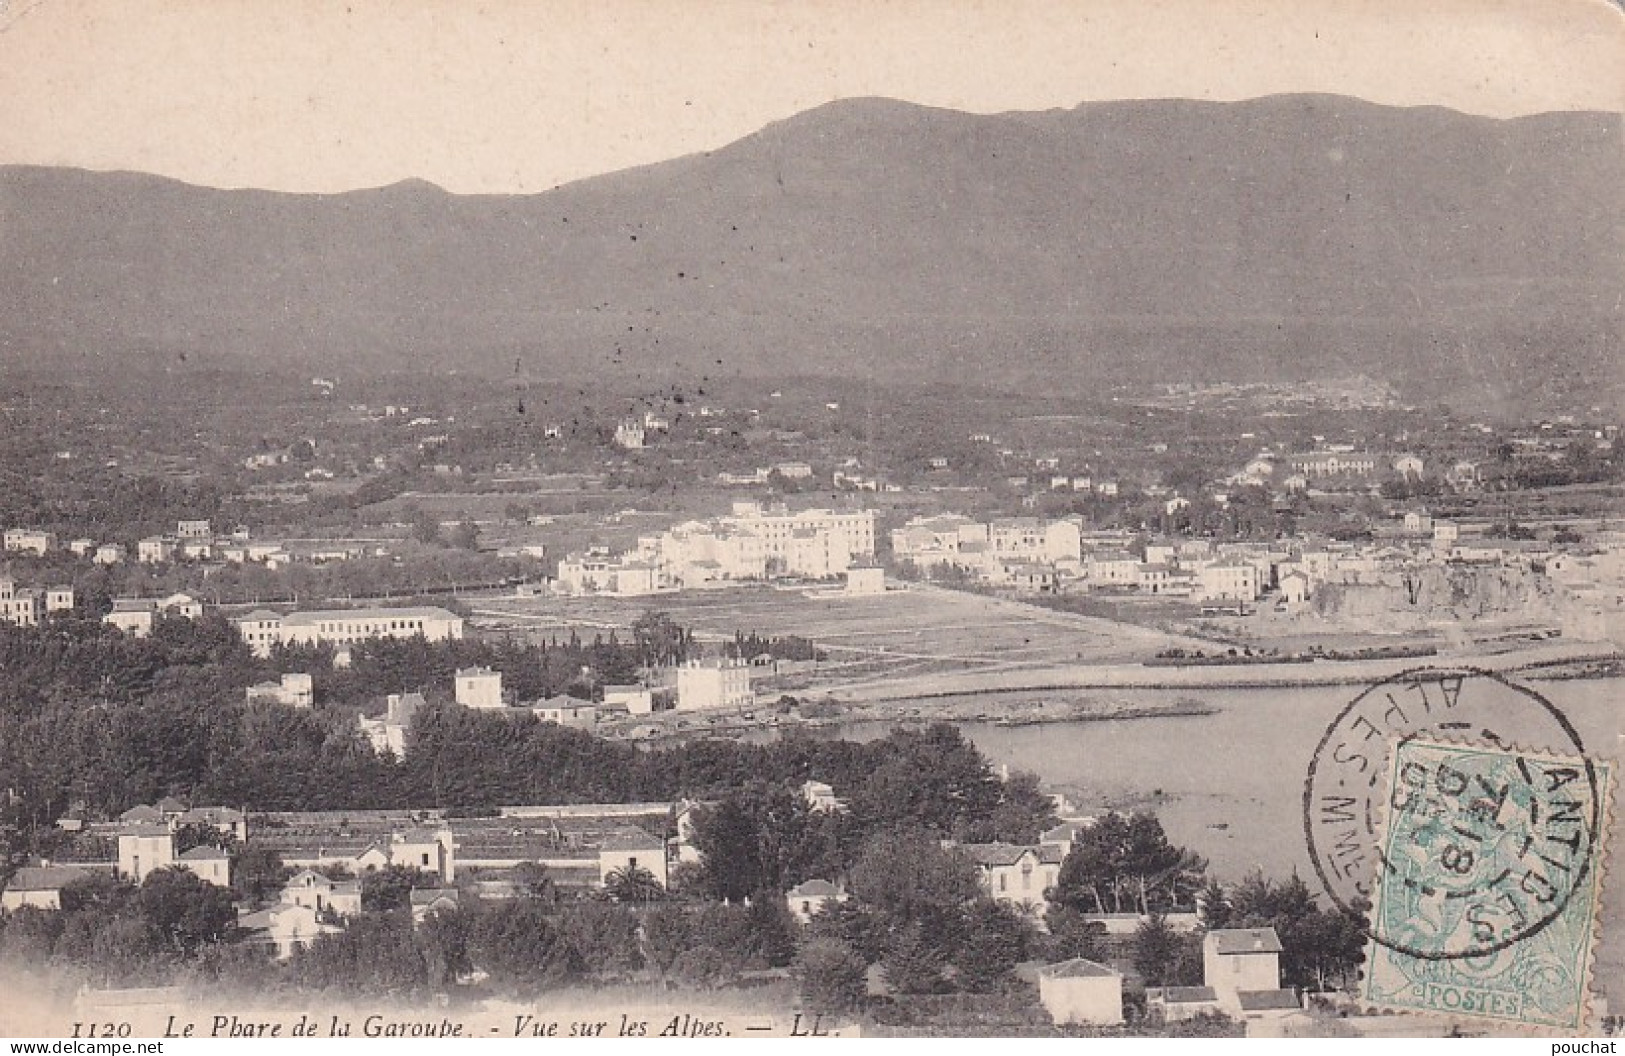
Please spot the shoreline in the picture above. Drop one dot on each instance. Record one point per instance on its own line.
(1051, 696)
(1595, 661)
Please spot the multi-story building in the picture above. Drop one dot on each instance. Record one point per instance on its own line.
(154, 550)
(28, 540)
(853, 530)
(704, 684)
(23, 606)
(630, 434)
(1333, 464)
(143, 848)
(947, 539)
(1015, 875)
(1112, 568)
(388, 734)
(697, 552)
(263, 629)
(1229, 579)
(478, 687)
(599, 572)
(1030, 537)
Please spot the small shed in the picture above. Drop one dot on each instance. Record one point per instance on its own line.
(1081, 991)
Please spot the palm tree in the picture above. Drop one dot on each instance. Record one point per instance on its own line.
(633, 883)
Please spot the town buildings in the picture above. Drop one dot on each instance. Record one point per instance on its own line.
(1319, 464)
(752, 543)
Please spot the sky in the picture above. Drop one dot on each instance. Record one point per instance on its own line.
(511, 96)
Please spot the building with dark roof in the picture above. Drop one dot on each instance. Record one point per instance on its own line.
(1016, 875)
(41, 886)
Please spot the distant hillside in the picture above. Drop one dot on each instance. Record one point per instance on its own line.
(1293, 236)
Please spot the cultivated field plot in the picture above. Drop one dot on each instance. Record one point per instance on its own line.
(918, 631)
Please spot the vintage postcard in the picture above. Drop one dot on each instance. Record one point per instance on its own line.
(562, 520)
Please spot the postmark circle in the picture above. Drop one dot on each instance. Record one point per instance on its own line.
(1345, 795)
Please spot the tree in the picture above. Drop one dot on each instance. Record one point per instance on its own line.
(375, 953)
(830, 975)
(1022, 813)
(633, 883)
(444, 938)
(707, 967)
(465, 536)
(996, 939)
(1071, 934)
(1155, 948)
(184, 910)
(761, 837)
(521, 945)
(913, 963)
(533, 881)
(660, 641)
(194, 834)
(425, 528)
(907, 876)
(1214, 906)
(772, 930)
(1127, 863)
(932, 779)
(663, 934)
(1318, 948)
(391, 887)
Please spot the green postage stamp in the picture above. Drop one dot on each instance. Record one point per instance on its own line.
(1489, 874)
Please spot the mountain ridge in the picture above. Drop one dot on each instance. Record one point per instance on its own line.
(1292, 236)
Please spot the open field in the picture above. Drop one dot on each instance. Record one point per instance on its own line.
(921, 631)
(925, 642)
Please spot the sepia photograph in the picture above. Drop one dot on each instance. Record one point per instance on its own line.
(555, 519)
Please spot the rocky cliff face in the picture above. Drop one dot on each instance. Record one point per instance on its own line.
(1440, 594)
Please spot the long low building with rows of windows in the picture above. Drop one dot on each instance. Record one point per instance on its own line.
(263, 629)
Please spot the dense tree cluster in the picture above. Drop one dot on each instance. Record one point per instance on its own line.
(1124, 863)
(96, 721)
(119, 933)
(917, 911)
